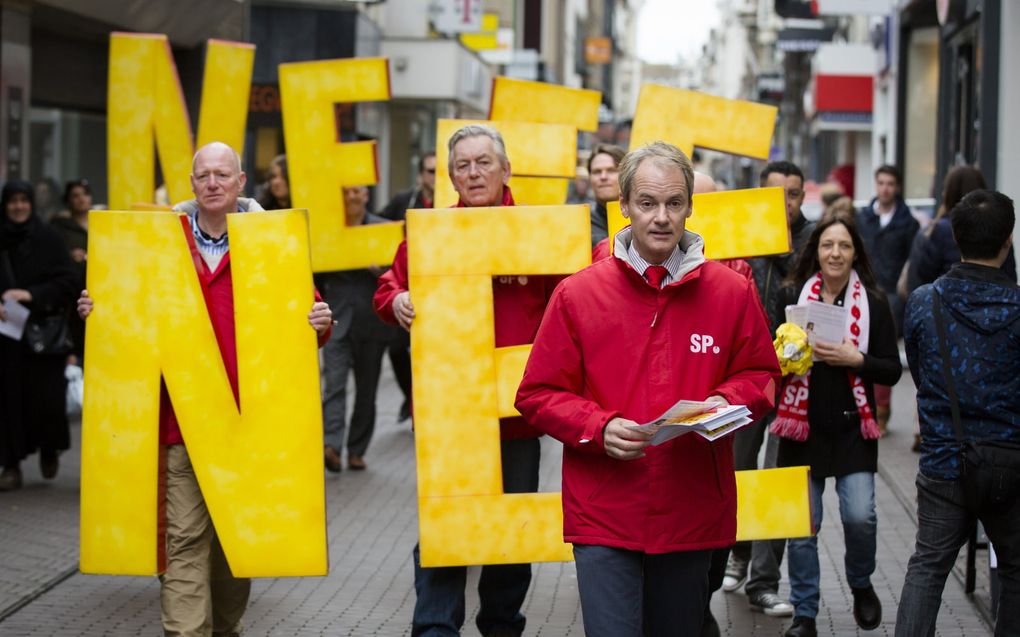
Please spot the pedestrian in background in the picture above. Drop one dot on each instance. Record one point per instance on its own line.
(826, 418)
(74, 230)
(887, 230)
(276, 195)
(37, 272)
(604, 172)
(934, 251)
(758, 563)
(962, 335)
(357, 344)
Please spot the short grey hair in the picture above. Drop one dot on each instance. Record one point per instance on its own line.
(661, 152)
(237, 157)
(478, 130)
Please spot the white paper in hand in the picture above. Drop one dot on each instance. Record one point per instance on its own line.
(17, 316)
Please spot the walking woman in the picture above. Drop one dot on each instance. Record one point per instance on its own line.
(826, 418)
(36, 271)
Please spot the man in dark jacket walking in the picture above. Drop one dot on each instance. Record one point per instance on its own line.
(758, 564)
(980, 309)
(888, 229)
(357, 344)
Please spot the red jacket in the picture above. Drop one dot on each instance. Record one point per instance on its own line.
(518, 304)
(612, 345)
(218, 290)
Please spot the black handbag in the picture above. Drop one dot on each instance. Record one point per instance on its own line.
(990, 471)
(48, 335)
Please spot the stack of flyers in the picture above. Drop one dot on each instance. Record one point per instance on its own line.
(707, 419)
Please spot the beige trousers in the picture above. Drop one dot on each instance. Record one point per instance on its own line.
(198, 594)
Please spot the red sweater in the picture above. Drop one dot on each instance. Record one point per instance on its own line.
(218, 290)
(518, 302)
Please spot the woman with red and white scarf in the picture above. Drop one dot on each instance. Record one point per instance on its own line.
(825, 418)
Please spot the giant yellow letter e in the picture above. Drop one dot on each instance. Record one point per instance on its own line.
(319, 165)
(464, 516)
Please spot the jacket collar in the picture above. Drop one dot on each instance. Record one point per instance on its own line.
(977, 272)
(692, 245)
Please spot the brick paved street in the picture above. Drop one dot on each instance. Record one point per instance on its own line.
(372, 528)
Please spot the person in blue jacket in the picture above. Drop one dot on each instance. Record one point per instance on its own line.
(980, 309)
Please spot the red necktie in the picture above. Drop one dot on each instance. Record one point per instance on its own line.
(656, 274)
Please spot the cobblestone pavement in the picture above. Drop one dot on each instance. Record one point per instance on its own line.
(372, 528)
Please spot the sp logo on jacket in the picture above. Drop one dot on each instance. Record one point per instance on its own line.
(703, 344)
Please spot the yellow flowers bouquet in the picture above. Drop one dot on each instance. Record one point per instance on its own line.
(792, 349)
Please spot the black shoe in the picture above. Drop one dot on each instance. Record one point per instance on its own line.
(709, 626)
(405, 411)
(49, 464)
(10, 479)
(867, 608)
(802, 627)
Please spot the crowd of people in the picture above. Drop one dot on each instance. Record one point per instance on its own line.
(644, 520)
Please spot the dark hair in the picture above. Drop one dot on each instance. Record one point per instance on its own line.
(958, 182)
(982, 222)
(786, 168)
(71, 185)
(612, 150)
(807, 259)
(893, 171)
(281, 161)
(421, 160)
(14, 187)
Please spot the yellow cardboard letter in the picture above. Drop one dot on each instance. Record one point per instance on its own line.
(144, 99)
(319, 165)
(259, 466)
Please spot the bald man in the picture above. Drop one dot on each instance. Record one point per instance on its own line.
(199, 596)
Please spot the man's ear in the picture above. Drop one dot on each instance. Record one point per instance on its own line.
(506, 176)
(243, 178)
(624, 208)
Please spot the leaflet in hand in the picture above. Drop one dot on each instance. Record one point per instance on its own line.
(825, 322)
(708, 419)
(17, 316)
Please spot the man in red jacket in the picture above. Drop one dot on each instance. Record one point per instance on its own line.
(480, 170)
(622, 341)
(198, 594)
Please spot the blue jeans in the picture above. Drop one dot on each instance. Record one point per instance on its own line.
(439, 606)
(943, 525)
(630, 594)
(857, 510)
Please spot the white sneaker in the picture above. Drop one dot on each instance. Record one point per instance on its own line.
(770, 604)
(735, 574)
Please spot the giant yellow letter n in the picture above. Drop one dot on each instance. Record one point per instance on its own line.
(319, 165)
(144, 99)
(260, 467)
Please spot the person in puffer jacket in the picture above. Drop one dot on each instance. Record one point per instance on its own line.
(980, 310)
(622, 341)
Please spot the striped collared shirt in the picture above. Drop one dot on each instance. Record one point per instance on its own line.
(672, 263)
(206, 244)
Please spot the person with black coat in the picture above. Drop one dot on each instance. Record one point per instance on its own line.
(826, 420)
(36, 271)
